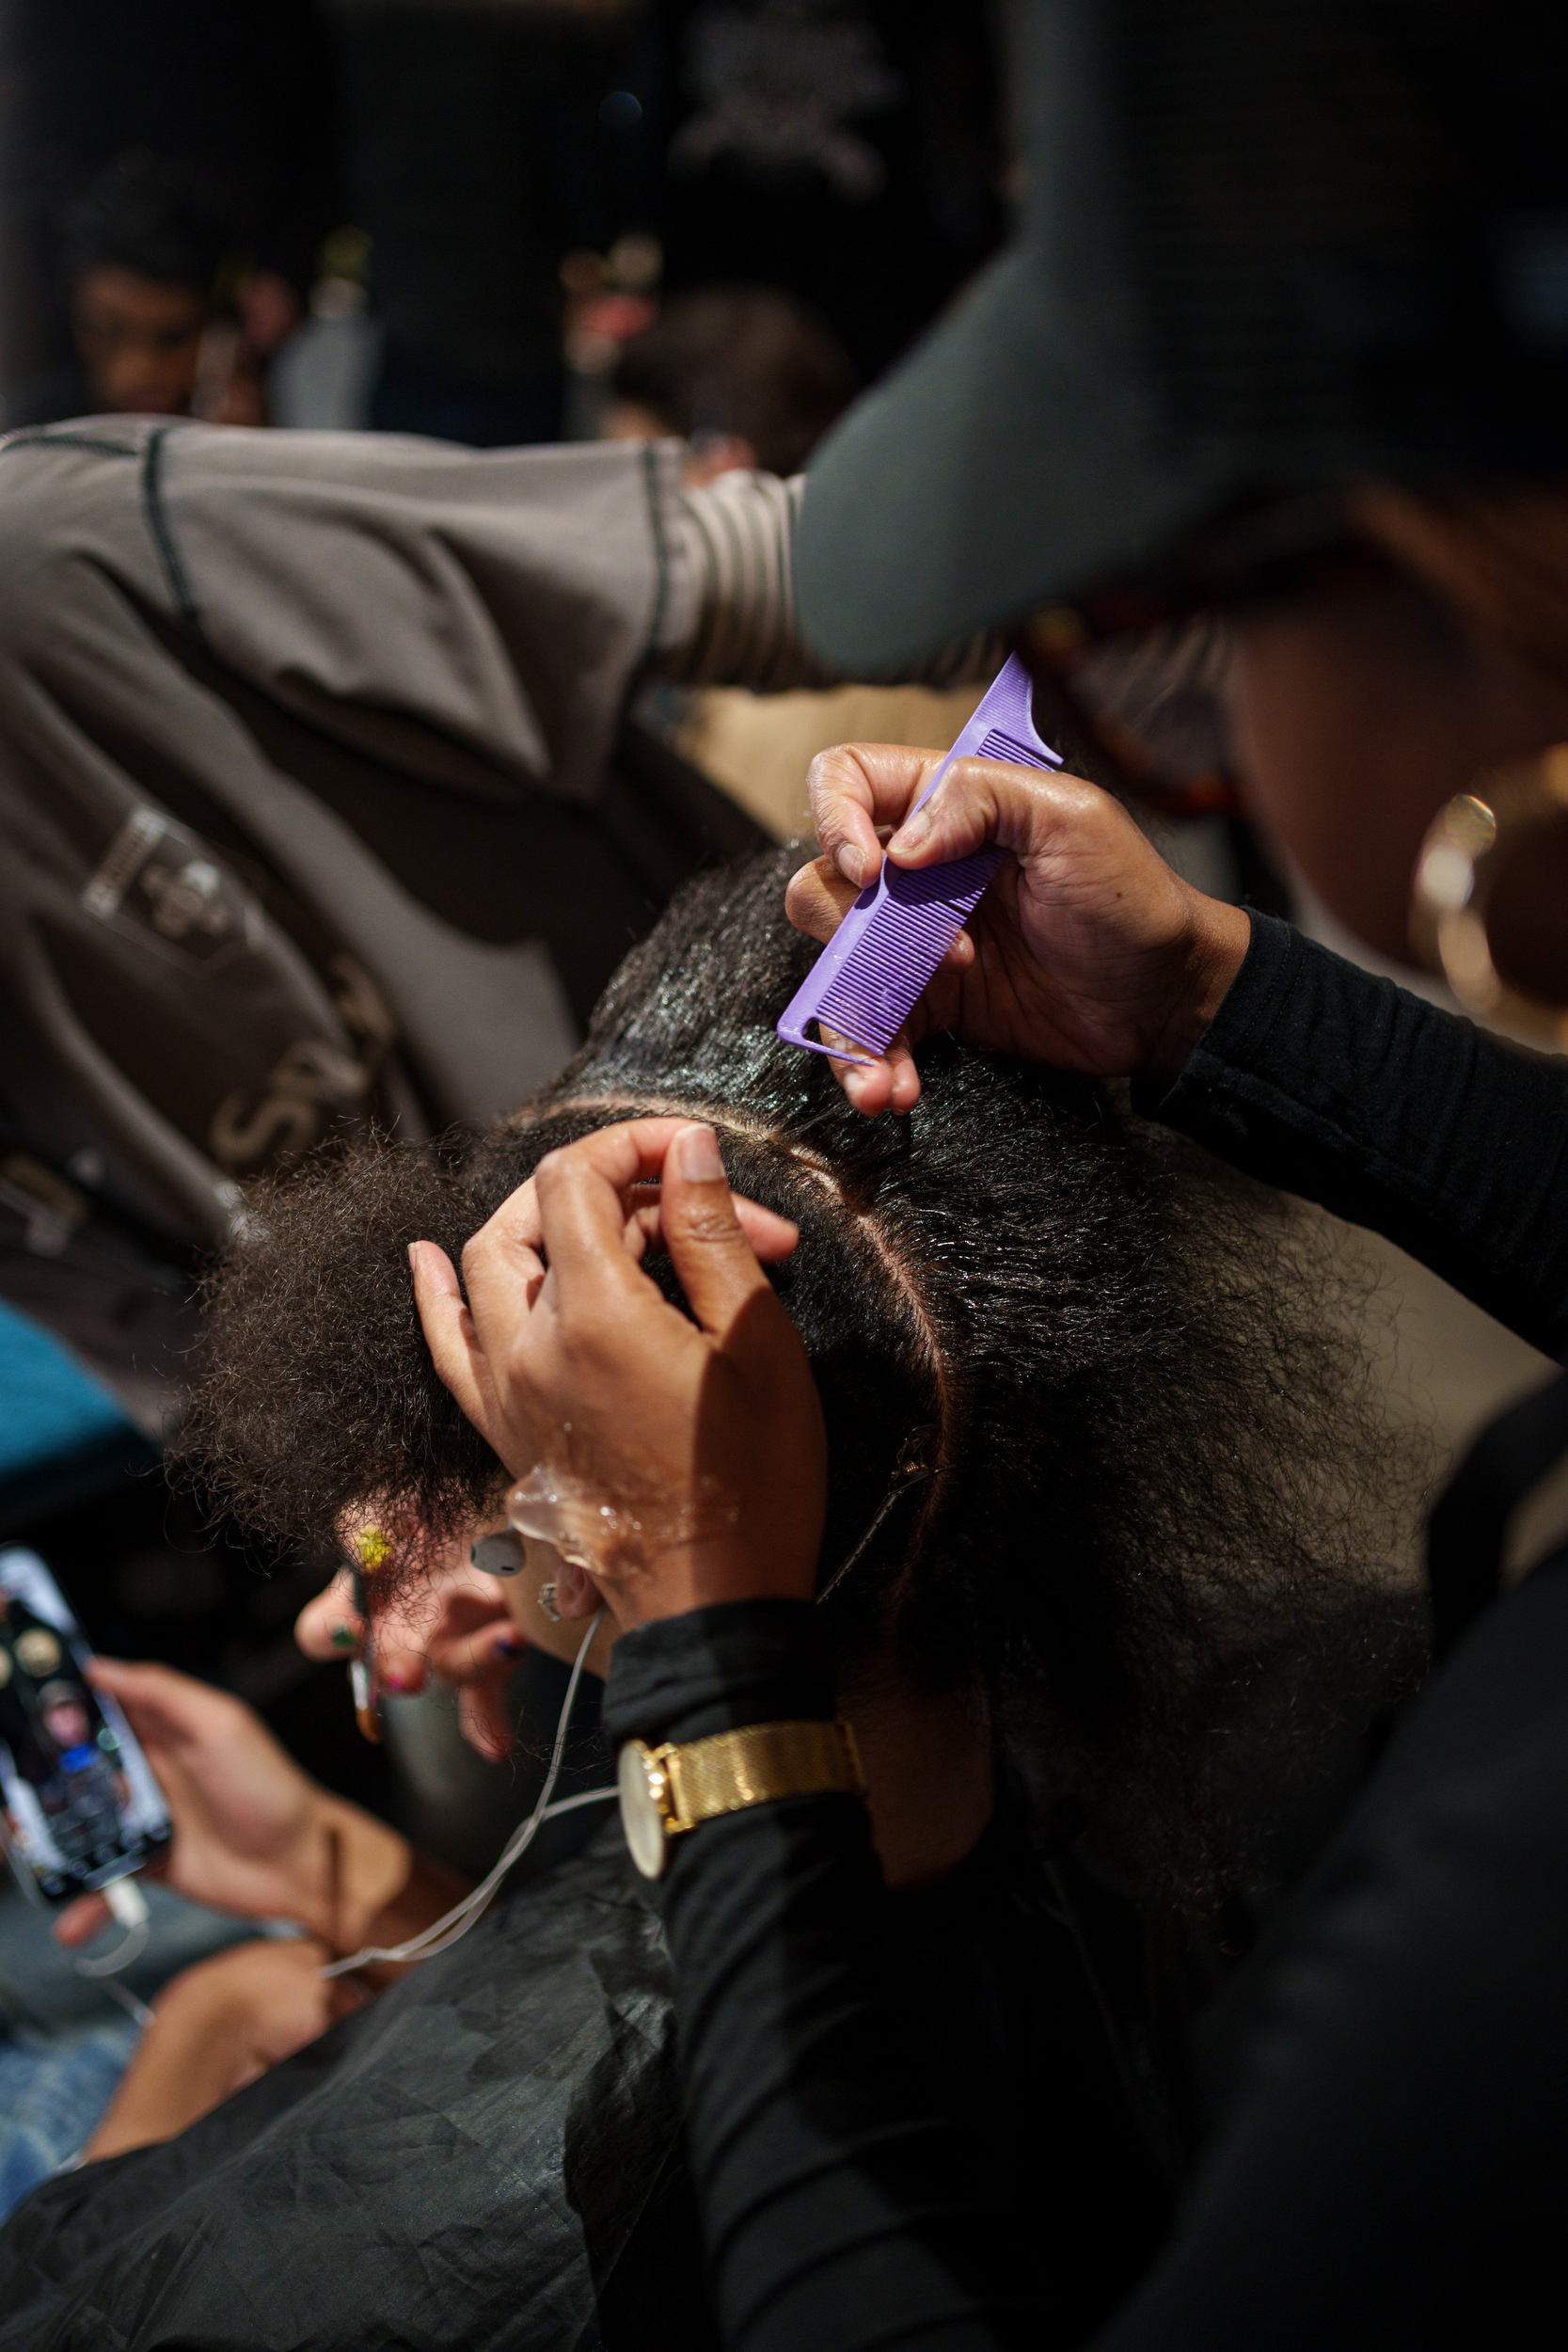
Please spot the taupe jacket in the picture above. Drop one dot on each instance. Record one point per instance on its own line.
(316, 807)
(320, 805)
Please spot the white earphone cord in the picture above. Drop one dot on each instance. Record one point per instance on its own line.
(445, 1932)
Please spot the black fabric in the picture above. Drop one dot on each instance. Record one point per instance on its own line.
(763, 1912)
(1391, 2073)
(481, 2157)
(1343, 1088)
(687, 1677)
(491, 2156)
(1386, 2164)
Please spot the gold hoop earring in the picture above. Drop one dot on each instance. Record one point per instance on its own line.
(1471, 843)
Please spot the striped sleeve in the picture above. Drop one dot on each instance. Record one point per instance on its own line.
(733, 624)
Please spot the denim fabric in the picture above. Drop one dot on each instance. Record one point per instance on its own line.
(53, 2090)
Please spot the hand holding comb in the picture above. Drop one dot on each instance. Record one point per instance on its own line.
(864, 983)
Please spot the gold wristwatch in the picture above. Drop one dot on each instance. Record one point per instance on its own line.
(668, 1790)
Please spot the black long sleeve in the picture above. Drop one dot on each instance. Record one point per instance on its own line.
(840, 2206)
(1384, 2161)
(1347, 1091)
(1387, 2164)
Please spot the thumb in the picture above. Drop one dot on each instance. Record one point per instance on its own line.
(977, 800)
(165, 1708)
(715, 1263)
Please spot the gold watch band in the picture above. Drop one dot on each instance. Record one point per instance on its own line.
(734, 1769)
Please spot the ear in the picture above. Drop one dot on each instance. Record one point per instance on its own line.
(576, 1592)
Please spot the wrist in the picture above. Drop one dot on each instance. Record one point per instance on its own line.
(706, 1575)
(355, 1870)
(426, 1893)
(1218, 938)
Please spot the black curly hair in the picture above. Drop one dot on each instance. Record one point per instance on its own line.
(1162, 1458)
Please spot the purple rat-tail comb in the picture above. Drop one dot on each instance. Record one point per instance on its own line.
(863, 984)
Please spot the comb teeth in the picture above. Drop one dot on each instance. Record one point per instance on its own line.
(996, 745)
(904, 939)
(864, 983)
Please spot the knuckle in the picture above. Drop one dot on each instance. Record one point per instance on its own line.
(713, 1225)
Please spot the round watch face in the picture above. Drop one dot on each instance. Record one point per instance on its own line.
(641, 1817)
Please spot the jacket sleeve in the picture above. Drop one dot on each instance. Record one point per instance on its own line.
(1347, 1091)
(839, 2211)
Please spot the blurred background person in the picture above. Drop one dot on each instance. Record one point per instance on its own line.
(241, 98)
(143, 253)
(751, 378)
(143, 250)
(748, 376)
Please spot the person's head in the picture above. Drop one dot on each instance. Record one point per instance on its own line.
(747, 374)
(1376, 680)
(142, 251)
(1152, 1460)
(1289, 297)
(63, 1713)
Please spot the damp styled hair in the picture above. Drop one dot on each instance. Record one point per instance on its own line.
(1160, 1457)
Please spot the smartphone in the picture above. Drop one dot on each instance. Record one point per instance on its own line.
(79, 1806)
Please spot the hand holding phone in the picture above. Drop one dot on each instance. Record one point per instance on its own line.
(79, 1806)
(253, 1833)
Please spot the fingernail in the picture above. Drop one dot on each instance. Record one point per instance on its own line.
(911, 836)
(399, 1684)
(414, 1256)
(345, 1637)
(508, 1645)
(697, 1159)
(851, 864)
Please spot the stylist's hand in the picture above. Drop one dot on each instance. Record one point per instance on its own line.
(1087, 951)
(704, 1437)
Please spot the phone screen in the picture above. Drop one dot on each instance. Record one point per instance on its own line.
(78, 1803)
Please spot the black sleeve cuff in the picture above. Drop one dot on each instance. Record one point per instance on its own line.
(742, 1661)
(1250, 1008)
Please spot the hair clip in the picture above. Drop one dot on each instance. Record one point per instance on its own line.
(371, 1548)
(371, 1551)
